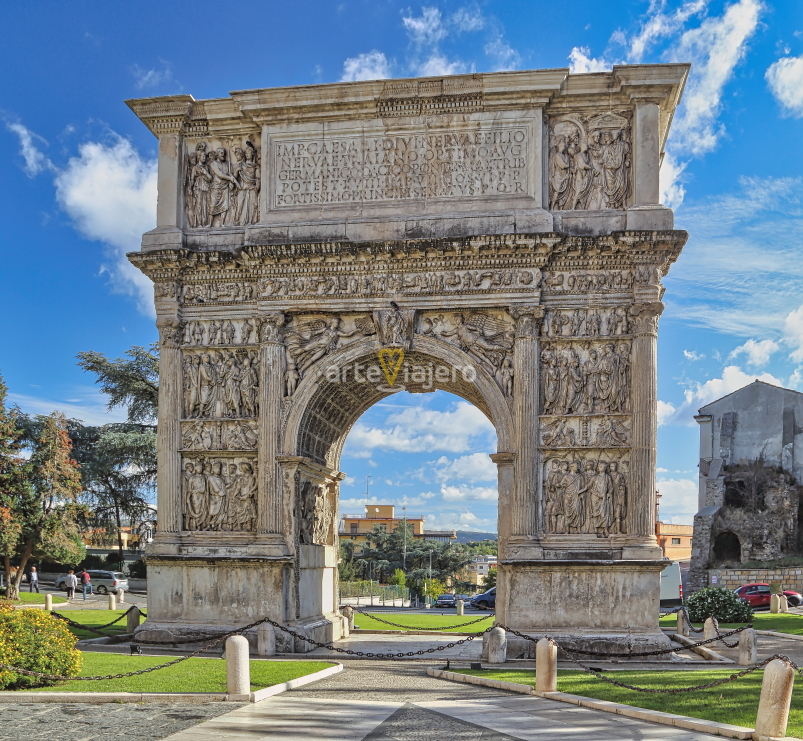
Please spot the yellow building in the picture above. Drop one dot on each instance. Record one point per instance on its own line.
(478, 569)
(675, 540)
(356, 527)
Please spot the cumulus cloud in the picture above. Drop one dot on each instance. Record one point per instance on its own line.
(418, 429)
(109, 192)
(461, 521)
(471, 468)
(581, 62)
(785, 79)
(678, 500)
(670, 181)
(793, 333)
(35, 160)
(665, 412)
(437, 65)
(372, 65)
(427, 29)
(659, 24)
(758, 353)
(464, 493)
(693, 355)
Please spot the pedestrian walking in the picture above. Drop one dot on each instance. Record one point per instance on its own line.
(86, 583)
(70, 583)
(33, 580)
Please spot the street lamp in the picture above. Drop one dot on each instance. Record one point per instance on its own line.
(404, 552)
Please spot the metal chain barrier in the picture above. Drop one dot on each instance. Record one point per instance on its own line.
(633, 654)
(412, 627)
(683, 609)
(719, 634)
(96, 629)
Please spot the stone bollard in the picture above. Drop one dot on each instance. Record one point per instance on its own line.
(238, 670)
(497, 646)
(121, 595)
(266, 640)
(683, 624)
(461, 607)
(783, 605)
(775, 603)
(546, 666)
(348, 613)
(773, 705)
(748, 647)
(112, 602)
(49, 602)
(132, 620)
(710, 628)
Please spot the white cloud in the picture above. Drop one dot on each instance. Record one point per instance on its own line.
(670, 181)
(580, 61)
(715, 48)
(372, 65)
(693, 355)
(467, 19)
(35, 159)
(464, 493)
(793, 333)
(144, 78)
(89, 407)
(665, 412)
(758, 353)
(428, 29)
(785, 78)
(472, 468)
(437, 65)
(109, 192)
(678, 501)
(733, 378)
(462, 521)
(418, 429)
(505, 56)
(659, 24)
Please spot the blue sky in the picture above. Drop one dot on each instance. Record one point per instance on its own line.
(79, 190)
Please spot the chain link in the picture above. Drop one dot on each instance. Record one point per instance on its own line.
(412, 627)
(97, 629)
(683, 609)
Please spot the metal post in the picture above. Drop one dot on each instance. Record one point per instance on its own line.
(404, 552)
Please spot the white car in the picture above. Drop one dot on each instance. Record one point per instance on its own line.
(102, 582)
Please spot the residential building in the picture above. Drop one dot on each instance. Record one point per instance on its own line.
(675, 540)
(479, 567)
(356, 527)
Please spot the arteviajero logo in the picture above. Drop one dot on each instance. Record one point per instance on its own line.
(391, 361)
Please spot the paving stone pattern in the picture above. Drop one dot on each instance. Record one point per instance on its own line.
(105, 722)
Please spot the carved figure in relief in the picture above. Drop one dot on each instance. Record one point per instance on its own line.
(551, 381)
(486, 339)
(619, 479)
(200, 180)
(600, 496)
(553, 507)
(504, 377)
(573, 486)
(214, 329)
(305, 513)
(245, 491)
(195, 504)
(249, 328)
(623, 378)
(559, 175)
(227, 332)
(582, 175)
(611, 433)
(309, 342)
(557, 435)
(216, 493)
(594, 324)
(392, 325)
(615, 166)
(246, 173)
(223, 184)
(220, 384)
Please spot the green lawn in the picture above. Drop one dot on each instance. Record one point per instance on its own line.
(95, 618)
(781, 622)
(193, 675)
(735, 702)
(419, 620)
(32, 598)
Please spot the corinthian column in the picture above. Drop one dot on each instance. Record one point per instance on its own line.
(171, 397)
(524, 510)
(271, 392)
(644, 398)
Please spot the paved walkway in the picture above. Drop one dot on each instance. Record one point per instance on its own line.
(395, 701)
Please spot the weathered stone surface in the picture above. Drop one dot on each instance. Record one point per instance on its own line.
(477, 231)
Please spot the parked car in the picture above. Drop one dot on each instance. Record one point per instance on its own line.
(446, 600)
(102, 582)
(485, 600)
(465, 597)
(758, 595)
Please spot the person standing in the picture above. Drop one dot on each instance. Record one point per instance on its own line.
(33, 580)
(70, 583)
(86, 583)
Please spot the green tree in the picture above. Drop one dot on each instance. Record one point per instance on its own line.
(12, 480)
(399, 578)
(489, 580)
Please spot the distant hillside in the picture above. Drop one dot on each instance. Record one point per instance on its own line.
(464, 536)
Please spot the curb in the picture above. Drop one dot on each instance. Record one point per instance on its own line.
(29, 698)
(776, 634)
(706, 653)
(655, 716)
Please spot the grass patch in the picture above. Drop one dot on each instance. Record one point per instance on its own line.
(418, 620)
(735, 703)
(95, 618)
(32, 598)
(193, 675)
(782, 623)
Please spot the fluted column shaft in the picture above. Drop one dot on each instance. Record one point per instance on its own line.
(171, 396)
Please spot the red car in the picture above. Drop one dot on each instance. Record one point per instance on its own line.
(758, 595)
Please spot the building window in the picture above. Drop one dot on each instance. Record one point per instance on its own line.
(354, 526)
(675, 541)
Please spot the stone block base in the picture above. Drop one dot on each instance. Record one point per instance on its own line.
(614, 643)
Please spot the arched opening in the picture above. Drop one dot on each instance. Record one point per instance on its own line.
(727, 549)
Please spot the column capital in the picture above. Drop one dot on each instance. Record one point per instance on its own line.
(645, 317)
(503, 459)
(171, 331)
(528, 319)
(270, 327)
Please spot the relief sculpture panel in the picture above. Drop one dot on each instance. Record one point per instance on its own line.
(238, 434)
(205, 332)
(316, 510)
(594, 321)
(609, 431)
(219, 494)
(221, 383)
(589, 162)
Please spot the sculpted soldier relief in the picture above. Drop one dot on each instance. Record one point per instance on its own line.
(590, 322)
(221, 383)
(219, 494)
(205, 332)
(221, 187)
(236, 434)
(586, 496)
(589, 162)
(585, 378)
(200, 293)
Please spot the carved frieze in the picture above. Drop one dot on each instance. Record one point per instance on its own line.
(565, 281)
(589, 162)
(220, 383)
(585, 378)
(586, 495)
(219, 494)
(595, 321)
(217, 292)
(237, 434)
(316, 512)
(608, 431)
(227, 332)
(221, 184)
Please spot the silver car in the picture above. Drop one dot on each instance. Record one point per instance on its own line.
(102, 582)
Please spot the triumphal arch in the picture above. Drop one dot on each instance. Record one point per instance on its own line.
(318, 248)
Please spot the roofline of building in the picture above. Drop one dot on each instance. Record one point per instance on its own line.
(701, 411)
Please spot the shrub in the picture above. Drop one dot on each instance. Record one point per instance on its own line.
(138, 570)
(34, 640)
(723, 604)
